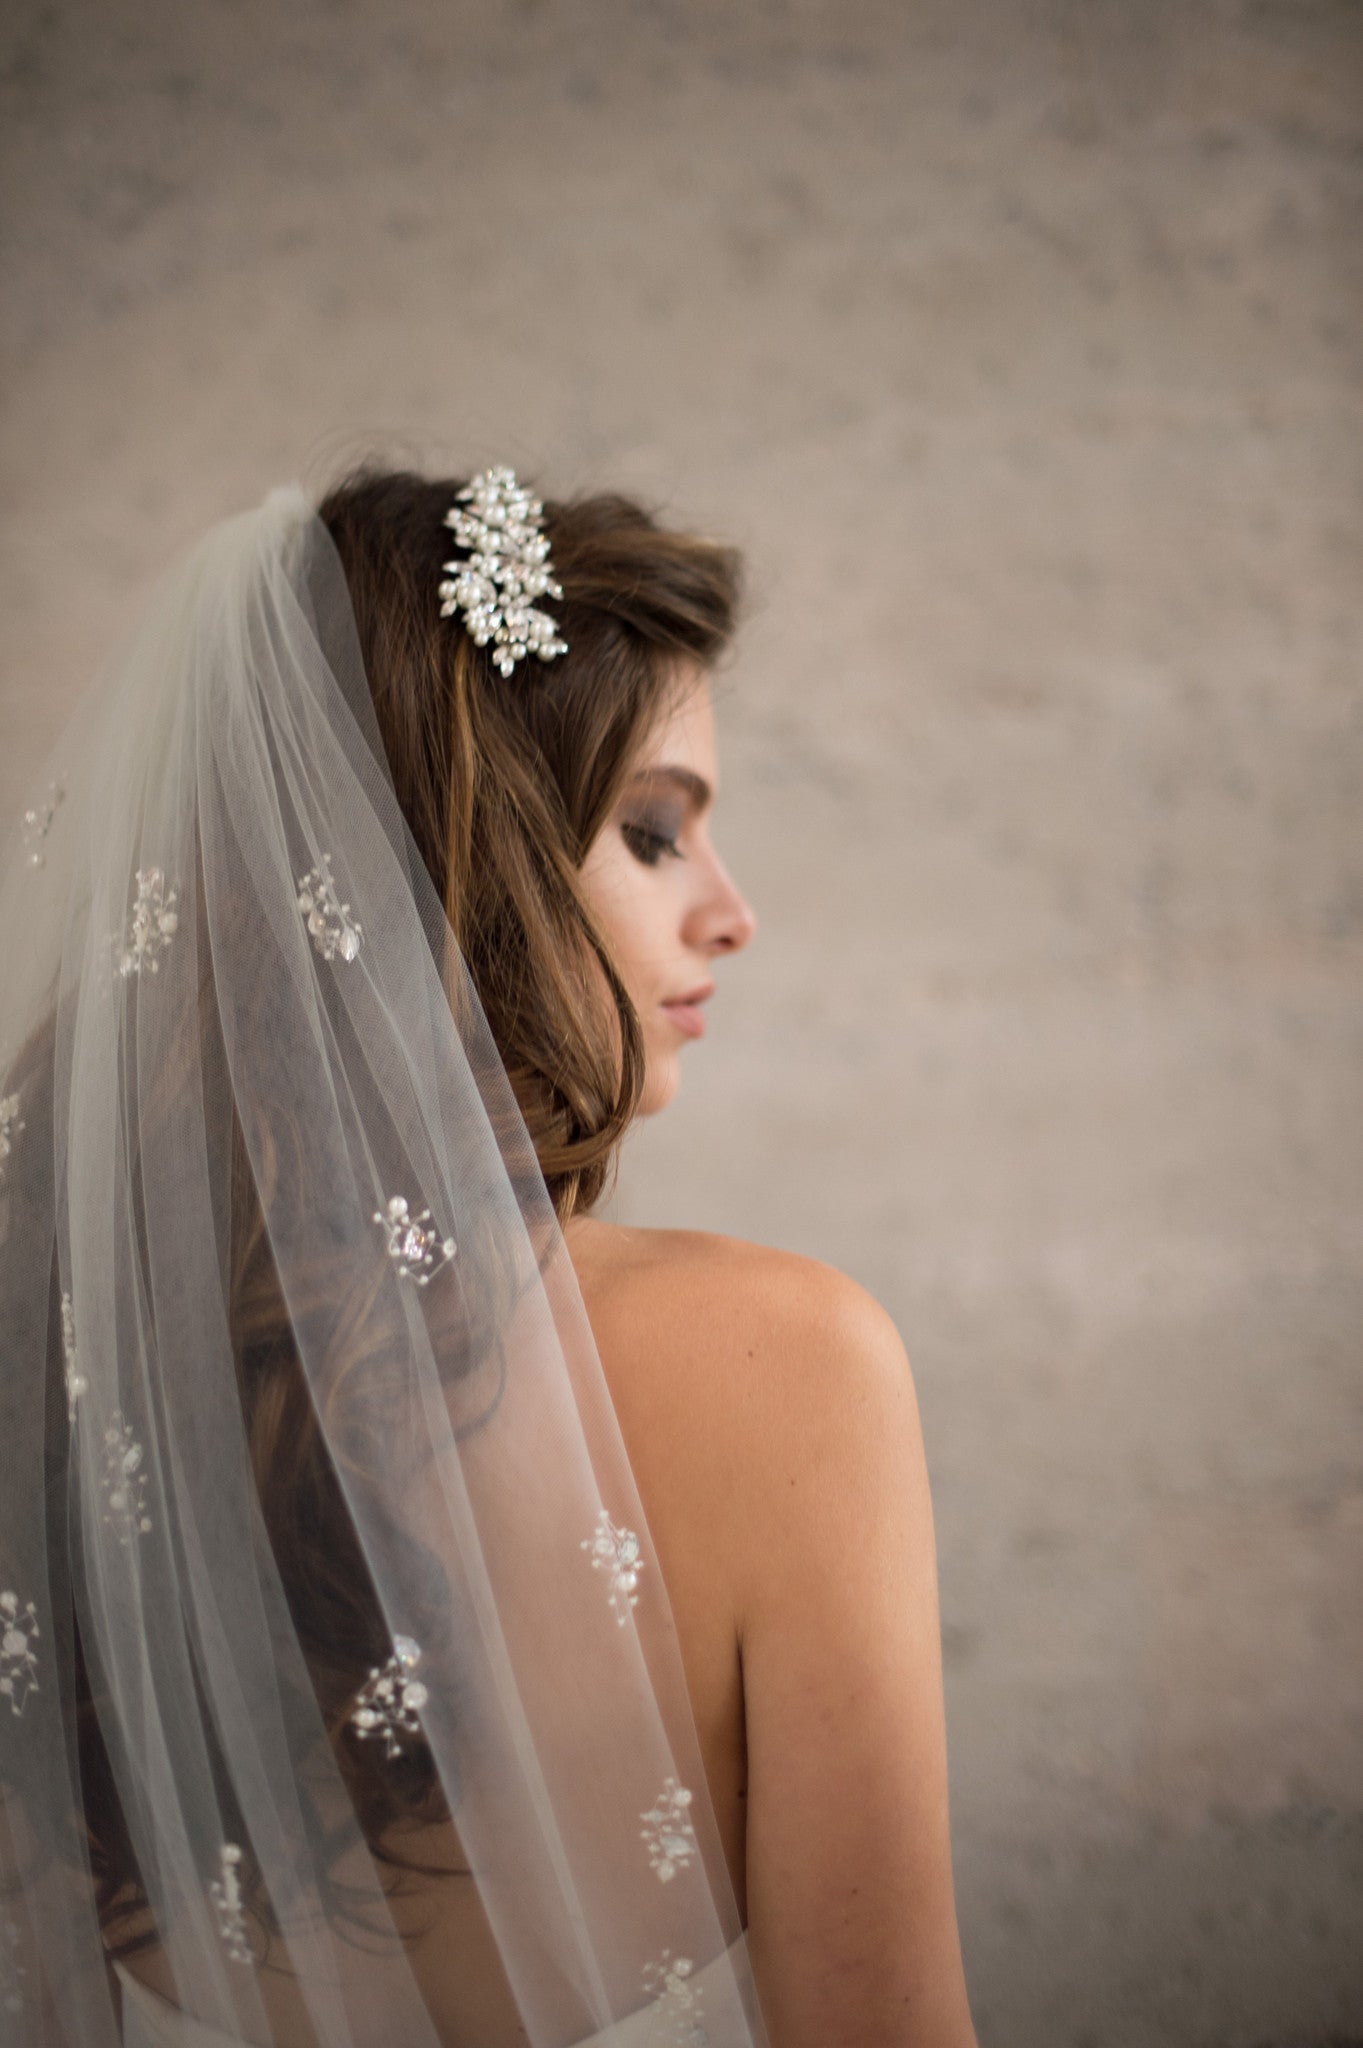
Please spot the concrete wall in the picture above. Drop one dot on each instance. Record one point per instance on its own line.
(1020, 342)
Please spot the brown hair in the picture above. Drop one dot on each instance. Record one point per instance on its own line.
(506, 780)
(504, 783)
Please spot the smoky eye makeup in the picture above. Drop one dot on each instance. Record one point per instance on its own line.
(652, 835)
(656, 810)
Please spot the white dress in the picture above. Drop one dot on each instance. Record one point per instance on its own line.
(723, 1990)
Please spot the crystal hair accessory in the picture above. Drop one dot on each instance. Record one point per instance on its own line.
(507, 567)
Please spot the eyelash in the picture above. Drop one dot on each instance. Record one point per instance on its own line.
(649, 846)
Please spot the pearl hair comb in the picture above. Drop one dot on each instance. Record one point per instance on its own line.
(507, 567)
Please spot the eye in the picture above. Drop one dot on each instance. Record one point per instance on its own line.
(648, 845)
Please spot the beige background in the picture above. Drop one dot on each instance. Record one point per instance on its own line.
(1021, 345)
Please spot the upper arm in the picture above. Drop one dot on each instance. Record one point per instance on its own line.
(852, 1926)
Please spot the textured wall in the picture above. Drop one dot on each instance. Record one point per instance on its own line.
(1021, 344)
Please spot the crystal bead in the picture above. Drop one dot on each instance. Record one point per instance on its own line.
(19, 1632)
(617, 1553)
(412, 1241)
(332, 929)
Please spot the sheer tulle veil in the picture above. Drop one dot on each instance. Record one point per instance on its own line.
(223, 957)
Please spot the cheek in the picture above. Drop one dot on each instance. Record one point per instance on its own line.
(630, 905)
(637, 917)
(619, 923)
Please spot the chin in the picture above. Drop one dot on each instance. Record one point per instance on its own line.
(662, 1079)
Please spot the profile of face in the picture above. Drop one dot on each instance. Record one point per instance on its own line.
(665, 904)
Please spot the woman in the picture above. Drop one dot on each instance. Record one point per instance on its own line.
(431, 1614)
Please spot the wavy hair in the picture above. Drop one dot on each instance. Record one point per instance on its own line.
(505, 781)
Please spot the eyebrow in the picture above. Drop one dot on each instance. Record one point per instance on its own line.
(694, 787)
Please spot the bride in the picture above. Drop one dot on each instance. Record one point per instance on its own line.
(429, 1614)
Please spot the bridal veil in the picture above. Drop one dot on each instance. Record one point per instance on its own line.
(273, 1769)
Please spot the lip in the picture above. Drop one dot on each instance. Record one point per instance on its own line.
(685, 1011)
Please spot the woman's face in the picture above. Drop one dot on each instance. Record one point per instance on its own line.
(662, 897)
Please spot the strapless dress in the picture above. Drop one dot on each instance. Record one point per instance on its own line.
(723, 1987)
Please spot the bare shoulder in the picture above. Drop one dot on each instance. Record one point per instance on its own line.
(772, 1379)
(779, 1310)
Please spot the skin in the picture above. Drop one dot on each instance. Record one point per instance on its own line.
(769, 1413)
(661, 894)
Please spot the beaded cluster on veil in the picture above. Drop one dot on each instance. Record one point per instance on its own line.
(220, 934)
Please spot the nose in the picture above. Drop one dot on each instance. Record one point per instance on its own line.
(724, 921)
